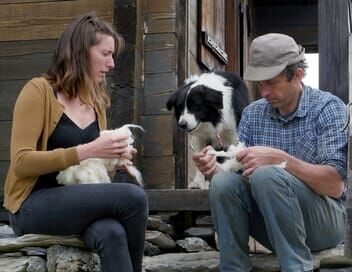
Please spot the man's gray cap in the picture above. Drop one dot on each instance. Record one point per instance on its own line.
(269, 55)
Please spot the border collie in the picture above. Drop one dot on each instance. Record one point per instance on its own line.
(209, 108)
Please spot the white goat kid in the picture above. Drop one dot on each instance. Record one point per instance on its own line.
(96, 170)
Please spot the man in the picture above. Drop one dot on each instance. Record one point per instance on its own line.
(290, 210)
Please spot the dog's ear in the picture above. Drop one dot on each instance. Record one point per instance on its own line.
(171, 101)
(214, 98)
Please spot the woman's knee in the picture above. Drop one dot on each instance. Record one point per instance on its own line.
(139, 199)
(104, 231)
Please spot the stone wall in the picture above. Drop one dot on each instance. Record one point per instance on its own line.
(169, 248)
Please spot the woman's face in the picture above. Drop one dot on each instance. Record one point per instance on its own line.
(101, 58)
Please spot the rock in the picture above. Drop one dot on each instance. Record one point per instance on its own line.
(160, 239)
(34, 251)
(22, 264)
(204, 221)
(18, 242)
(63, 259)
(150, 249)
(194, 244)
(6, 232)
(156, 223)
(36, 264)
(181, 262)
(201, 232)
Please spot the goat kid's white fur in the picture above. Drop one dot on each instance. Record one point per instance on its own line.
(95, 170)
(232, 164)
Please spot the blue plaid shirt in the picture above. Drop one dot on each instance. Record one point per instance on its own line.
(312, 133)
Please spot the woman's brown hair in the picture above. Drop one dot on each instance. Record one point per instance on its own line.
(69, 72)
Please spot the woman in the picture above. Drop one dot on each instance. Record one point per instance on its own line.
(56, 124)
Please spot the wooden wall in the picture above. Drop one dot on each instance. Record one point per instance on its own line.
(155, 79)
(28, 33)
(333, 47)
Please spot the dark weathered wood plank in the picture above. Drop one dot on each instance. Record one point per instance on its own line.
(24, 67)
(160, 6)
(158, 172)
(178, 200)
(160, 41)
(156, 104)
(232, 35)
(333, 47)
(160, 23)
(5, 135)
(160, 83)
(9, 90)
(212, 21)
(4, 2)
(160, 61)
(157, 138)
(4, 165)
(25, 48)
(35, 20)
(348, 223)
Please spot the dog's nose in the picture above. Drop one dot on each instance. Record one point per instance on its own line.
(183, 124)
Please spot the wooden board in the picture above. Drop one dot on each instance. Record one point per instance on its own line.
(5, 135)
(158, 172)
(4, 165)
(211, 18)
(160, 23)
(333, 47)
(160, 6)
(160, 83)
(160, 41)
(9, 90)
(178, 200)
(25, 59)
(157, 140)
(160, 61)
(4, 2)
(156, 104)
(45, 20)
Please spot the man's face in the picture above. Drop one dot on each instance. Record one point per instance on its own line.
(281, 93)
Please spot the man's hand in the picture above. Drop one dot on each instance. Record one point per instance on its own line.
(205, 162)
(253, 157)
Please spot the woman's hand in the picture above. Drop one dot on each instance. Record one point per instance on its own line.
(108, 146)
(205, 162)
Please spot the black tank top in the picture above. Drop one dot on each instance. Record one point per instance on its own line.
(66, 134)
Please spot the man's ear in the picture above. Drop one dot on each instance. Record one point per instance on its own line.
(299, 74)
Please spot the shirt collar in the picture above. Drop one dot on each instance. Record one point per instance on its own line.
(301, 111)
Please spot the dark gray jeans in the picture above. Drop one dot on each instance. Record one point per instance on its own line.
(111, 218)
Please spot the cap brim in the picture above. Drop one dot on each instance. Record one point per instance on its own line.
(262, 73)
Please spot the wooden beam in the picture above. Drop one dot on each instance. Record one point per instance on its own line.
(333, 47)
(348, 223)
(178, 200)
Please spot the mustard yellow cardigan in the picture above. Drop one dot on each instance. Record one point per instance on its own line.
(36, 114)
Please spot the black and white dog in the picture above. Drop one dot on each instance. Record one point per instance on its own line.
(209, 108)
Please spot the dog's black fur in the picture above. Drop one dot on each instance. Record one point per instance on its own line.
(210, 105)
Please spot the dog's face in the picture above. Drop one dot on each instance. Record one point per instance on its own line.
(194, 104)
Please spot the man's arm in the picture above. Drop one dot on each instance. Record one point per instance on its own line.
(323, 179)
